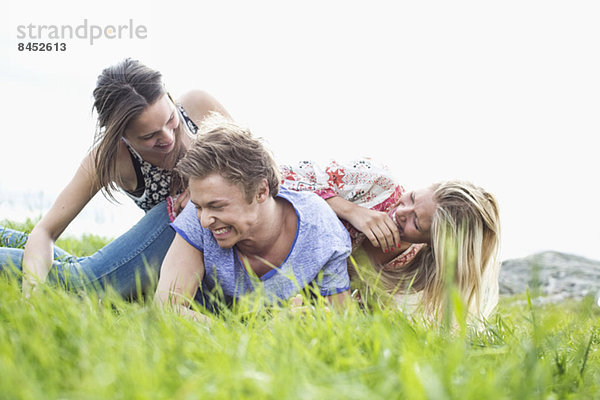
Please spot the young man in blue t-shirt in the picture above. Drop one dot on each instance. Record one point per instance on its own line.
(238, 217)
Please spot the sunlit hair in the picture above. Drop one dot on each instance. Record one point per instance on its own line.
(225, 148)
(123, 91)
(466, 220)
(465, 234)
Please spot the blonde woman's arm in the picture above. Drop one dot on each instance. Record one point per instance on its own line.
(38, 254)
(351, 189)
(377, 226)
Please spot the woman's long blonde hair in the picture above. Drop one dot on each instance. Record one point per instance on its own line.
(464, 247)
(123, 91)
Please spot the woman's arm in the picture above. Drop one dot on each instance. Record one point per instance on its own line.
(181, 272)
(377, 226)
(351, 189)
(198, 104)
(37, 257)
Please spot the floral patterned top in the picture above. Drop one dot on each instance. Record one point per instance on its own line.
(156, 180)
(361, 182)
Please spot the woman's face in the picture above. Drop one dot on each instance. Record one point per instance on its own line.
(154, 129)
(414, 214)
(222, 208)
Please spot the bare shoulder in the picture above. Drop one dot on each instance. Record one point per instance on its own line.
(125, 167)
(198, 104)
(196, 98)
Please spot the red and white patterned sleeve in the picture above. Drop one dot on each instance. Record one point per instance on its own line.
(360, 181)
(306, 175)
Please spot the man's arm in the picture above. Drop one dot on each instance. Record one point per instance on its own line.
(180, 274)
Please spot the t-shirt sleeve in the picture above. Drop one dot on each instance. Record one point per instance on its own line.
(188, 226)
(334, 278)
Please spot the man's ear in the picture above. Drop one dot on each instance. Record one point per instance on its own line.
(262, 192)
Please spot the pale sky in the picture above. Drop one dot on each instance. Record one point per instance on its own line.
(504, 94)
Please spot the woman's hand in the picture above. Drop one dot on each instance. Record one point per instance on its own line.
(377, 226)
(30, 285)
(181, 201)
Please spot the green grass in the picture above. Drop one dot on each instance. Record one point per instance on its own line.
(74, 346)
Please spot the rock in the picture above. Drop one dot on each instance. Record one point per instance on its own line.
(551, 275)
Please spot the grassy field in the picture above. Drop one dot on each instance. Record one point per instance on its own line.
(62, 345)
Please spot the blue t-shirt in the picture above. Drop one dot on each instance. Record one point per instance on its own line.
(318, 253)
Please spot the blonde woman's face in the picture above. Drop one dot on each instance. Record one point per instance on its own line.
(414, 214)
(153, 131)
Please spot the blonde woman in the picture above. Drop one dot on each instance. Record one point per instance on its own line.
(411, 237)
(141, 134)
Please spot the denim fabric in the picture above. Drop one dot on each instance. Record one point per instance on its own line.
(138, 252)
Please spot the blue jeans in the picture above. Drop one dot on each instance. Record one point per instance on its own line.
(135, 255)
